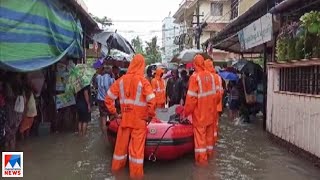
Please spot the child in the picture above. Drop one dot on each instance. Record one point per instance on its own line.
(29, 114)
(233, 101)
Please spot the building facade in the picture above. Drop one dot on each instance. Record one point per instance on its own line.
(215, 13)
(169, 31)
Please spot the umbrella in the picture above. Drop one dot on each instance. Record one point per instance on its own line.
(187, 55)
(175, 59)
(189, 65)
(245, 66)
(228, 76)
(114, 53)
(79, 77)
(98, 63)
(231, 69)
(172, 66)
(113, 40)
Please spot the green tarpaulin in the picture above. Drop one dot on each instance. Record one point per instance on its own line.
(37, 33)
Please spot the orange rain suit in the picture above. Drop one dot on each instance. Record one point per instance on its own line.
(217, 79)
(201, 94)
(159, 88)
(137, 104)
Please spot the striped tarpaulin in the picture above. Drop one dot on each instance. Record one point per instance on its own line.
(37, 33)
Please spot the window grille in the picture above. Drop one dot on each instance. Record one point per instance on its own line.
(305, 80)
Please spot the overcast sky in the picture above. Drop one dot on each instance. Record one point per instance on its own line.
(126, 13)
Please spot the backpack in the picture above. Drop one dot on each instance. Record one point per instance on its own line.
(19, 104)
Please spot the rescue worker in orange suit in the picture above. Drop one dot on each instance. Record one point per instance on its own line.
(137, 102)
(159, 88)
(201, 93)
(217, 79)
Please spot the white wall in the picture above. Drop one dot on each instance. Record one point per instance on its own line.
(293, 117)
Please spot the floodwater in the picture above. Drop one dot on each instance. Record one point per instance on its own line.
(243, 152)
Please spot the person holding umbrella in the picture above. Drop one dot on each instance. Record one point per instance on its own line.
(84, 109)
(78, 83)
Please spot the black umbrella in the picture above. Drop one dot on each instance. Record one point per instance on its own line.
(247, 67)
(113, 40)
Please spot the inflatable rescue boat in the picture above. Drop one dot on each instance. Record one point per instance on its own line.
(169, 136)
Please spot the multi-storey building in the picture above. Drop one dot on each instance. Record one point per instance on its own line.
(169, 31)
(216, 13)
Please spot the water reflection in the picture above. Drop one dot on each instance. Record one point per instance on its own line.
(243, 152)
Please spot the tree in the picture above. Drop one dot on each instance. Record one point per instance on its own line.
(104, 21)
(153, 54)
(137, 44)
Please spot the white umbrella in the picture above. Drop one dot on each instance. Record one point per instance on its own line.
(187, 55)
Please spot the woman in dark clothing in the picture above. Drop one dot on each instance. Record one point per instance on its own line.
(84, 109)
(174, 89)
(185, 82)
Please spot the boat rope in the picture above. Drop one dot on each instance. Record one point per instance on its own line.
(152, 156)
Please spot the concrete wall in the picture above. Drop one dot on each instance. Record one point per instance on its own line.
(293, 117)
(244, 5)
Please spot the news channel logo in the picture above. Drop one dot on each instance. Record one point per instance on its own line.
(12, 164)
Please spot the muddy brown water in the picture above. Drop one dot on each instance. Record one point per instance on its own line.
(243, 153)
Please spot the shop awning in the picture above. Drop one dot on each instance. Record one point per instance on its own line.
(37, 33)
(227, 38)
(232, 44)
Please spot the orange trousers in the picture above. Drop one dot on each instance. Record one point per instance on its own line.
(203, 141)
(135, 139)
(215, 129)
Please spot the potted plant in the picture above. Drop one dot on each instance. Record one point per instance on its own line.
(299, 48)
(292, 39)
(311, 22)
(281, 46)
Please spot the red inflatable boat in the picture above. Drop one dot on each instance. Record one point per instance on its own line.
(168, 136)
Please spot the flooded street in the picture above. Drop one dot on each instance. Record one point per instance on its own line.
(243, 152)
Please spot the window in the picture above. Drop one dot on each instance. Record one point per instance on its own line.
(304, 80)
(216, 9)
(234, 9)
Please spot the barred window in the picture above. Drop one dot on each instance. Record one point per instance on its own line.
(304, 80)
(234, 9)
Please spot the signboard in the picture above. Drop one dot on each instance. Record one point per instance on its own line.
(258, 32)
(64, 100)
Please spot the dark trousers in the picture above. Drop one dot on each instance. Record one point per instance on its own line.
(172, 103)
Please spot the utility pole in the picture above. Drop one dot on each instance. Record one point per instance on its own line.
(199, 26)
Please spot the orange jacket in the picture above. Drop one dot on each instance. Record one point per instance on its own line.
(201, 95)
(135, 94)
(159, 87)
(217, 79)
